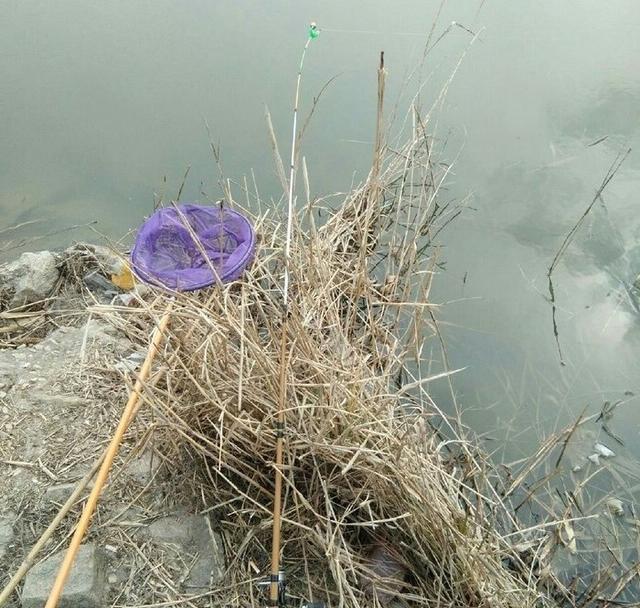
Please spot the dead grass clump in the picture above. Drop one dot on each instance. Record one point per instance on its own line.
(377, 502)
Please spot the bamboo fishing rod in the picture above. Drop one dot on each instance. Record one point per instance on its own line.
(107, 461)
(276, 582)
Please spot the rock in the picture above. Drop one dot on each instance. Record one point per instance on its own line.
(59, 493)
(85, 586)
(178, 529)
(6, 534)
(206, 572)
(209, 567)
(193, 536)
(30, 278)
(95, 281)
(128, 516)
(144, 467)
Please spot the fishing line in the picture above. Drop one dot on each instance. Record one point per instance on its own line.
(379, 33)
(374, 32)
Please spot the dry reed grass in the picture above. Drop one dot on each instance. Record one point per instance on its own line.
(372, 489)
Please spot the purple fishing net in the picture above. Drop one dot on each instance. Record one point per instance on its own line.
(219, 245)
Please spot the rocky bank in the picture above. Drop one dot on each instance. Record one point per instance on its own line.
(64, 373)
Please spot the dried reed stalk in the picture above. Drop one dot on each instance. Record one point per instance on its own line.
(366, 468)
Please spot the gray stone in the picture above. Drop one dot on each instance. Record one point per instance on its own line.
(84, 588)
(143, 467)
(130, 516)
(59, 493)
(97, 282)
(30, 278)
(209, 567)
(176, 529)
(6, 534)
(196, 540)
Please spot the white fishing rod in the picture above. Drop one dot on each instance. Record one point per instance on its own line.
(277, 580)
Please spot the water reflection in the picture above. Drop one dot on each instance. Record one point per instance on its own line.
(532, 205)
(611, 112)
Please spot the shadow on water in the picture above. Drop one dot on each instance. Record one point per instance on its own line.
(611, 112)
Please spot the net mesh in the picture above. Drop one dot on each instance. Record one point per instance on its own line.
(189, 247)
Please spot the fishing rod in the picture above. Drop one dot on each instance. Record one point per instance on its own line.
(277, 580)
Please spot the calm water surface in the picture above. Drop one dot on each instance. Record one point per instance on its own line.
(102, 108)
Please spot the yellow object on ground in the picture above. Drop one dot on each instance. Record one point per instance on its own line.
(124, 278)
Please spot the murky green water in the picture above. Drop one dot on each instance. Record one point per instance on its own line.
(102, 107)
